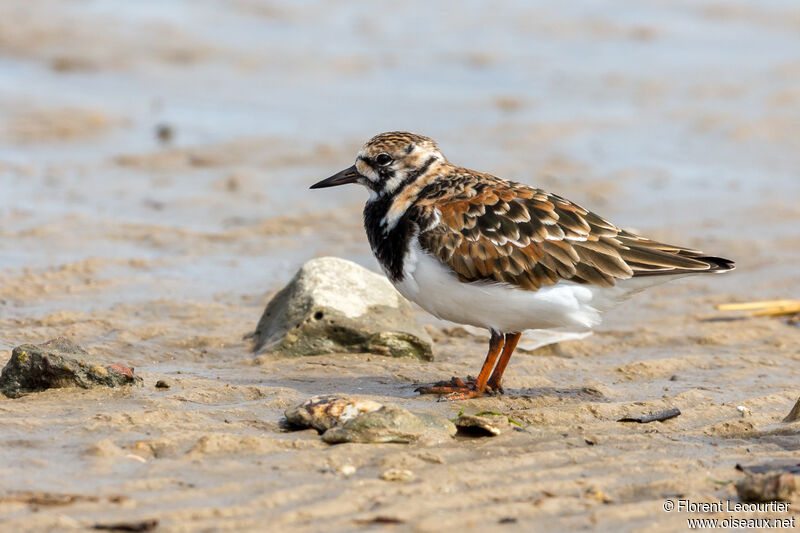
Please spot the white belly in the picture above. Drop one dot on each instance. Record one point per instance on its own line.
(502, 307)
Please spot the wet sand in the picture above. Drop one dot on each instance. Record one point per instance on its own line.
(677, 119)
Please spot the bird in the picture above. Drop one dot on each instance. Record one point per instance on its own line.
(476, 249)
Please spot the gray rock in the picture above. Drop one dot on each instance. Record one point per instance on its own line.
(392, 424)
(767, 487)
(325, 412)
(336, 306)
(57, 363)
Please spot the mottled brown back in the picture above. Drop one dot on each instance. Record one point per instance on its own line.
(490, 229)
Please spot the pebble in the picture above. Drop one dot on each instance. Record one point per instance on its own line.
(347, 470)
(397, 474)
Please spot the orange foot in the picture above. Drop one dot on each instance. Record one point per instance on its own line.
(455, 389)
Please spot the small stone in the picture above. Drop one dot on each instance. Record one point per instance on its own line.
(766, 487)
(488, 425)
(58, 363)
(325, 412)
(347, 470)
(391, 424)
(164, 133)
(98, 371)
(595, 493)
(397, 474)
(591, 439)
(336, 306)
(163, 384)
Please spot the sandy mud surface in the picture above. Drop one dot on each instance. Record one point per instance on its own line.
(154, 165)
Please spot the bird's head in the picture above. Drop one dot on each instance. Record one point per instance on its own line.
(388, 162)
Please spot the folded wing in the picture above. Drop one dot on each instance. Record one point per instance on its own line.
(507, 232)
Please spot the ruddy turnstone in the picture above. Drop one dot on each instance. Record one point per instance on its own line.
(476, 249)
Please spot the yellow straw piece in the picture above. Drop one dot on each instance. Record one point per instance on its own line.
(765, 308)
(778, 311)
(747, 306)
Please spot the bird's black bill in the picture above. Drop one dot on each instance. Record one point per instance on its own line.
(348, 175)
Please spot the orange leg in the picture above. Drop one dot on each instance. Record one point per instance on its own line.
(457, 389)
(497, 376)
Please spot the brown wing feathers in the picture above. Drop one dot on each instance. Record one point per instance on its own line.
(512, 233)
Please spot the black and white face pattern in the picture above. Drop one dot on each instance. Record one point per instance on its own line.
(391, 161)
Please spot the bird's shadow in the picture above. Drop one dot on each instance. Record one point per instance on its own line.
(577, 394)
(380, 385)
(713, 319)
(388, 386)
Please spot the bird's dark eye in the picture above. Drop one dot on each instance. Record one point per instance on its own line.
(383, 159)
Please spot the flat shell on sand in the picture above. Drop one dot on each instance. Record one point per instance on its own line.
(392, 424)
(325, 412)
